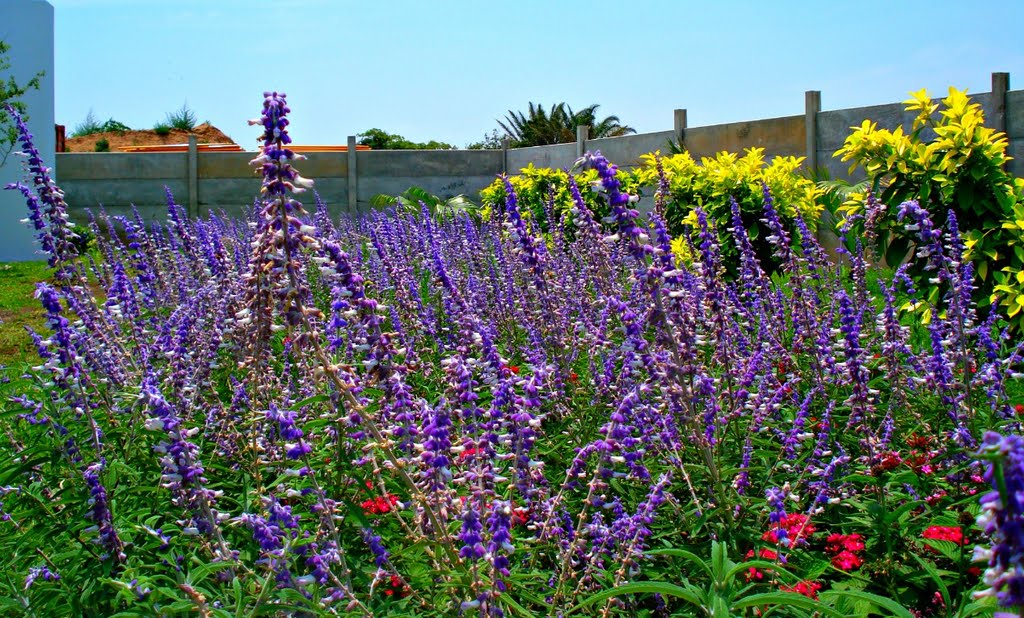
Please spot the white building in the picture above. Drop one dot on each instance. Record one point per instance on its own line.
(27, 26)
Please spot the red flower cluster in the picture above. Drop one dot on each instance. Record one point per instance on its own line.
(378, 504)
(944, 533)
(845, 550)
(806, 588)
(1019, 409)
(395, 587)
(762, 554)
(887, 461)
(797, 529)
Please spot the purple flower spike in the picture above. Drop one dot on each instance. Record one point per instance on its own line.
(1002, 518)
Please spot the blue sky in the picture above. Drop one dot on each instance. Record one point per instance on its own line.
(447, 69)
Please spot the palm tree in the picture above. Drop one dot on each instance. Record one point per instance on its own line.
(539, 127)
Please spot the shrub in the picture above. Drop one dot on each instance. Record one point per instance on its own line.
(102, 145)
(91, 126)
(183, 118)
(162, 129)
(713, 182)
(949, 163)
(88, 126)
(543, 193)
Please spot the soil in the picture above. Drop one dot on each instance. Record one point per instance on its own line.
(205, 134)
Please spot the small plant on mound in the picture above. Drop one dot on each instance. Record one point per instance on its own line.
(162, 129)
(91, 126)
(102, 145)
(183, 118)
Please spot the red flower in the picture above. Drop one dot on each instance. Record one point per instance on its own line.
(763, 554)
(1019, 408)
(575, 377)
(514, 369)
(520, 515)
(806, 588)
(379, 505)
(889, 461)
(395, 587)
(944, 533)
(917, 441)
(836, 543)
(847, 561)
(796, 526)
(466, 453)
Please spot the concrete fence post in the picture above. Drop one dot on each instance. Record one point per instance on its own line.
(193, 176)
(353, 177)
(505, 143)
(812, 105)
(679, 125)
(1000, 84)
(582, 135)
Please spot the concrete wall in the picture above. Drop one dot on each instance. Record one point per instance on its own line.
(834, 126)
(27, 26)
(224, 181)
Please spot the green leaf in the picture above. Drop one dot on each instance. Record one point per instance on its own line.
(662, 588)
(883, 602)
(896, 252)
(786, 599)
(682, 553)
(310, 400)
(929, 568)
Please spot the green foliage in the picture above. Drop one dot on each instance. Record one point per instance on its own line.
(183, 118)
(710, 183)
(102, 145)
(19, 309)
(88, 126)
(162, 129)
(378, 139)
(540, 189)
(11, 92)
(491, 141)
(113, 126)
(949, 161)
(538, 127)
(415, 198)
(91, 125)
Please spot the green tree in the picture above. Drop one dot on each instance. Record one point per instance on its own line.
(491, 141)
(10, 93)
(539, 127)
(379, 139)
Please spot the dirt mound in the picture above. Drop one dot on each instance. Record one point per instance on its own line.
(205, 133)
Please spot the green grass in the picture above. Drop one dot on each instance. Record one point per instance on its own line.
(18, 309)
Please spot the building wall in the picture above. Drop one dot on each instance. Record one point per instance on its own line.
(27, 26)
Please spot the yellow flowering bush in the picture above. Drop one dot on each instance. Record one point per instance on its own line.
(960, 169)
(711, 182)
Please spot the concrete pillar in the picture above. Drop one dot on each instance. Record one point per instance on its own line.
(679, 125)
(812, 105)
(582, 135)
(1000, 84)
(193, 176)
(353, 177)
(505, 143)
(27, 26)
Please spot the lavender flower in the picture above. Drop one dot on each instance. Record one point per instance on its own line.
(1002, 519)
(40, 573)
